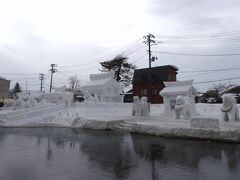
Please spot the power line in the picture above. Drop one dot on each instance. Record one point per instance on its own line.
(136, 60)
(200, 42)
(188, 54)
(20, 74)
(212, 70)
(217, 80)
(74, 71)
(16, 79)
(196, 75)
(126, 51)
(224, 37)
(209, 35)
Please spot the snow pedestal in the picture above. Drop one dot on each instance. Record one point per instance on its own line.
(204, 122)
(174, 89)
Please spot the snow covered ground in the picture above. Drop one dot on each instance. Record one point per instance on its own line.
(117, 116)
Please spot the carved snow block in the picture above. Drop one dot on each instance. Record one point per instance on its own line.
(206, 123)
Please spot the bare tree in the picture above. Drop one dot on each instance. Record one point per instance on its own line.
(220, 87)
(74, 82)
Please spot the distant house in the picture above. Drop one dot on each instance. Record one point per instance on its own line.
(234, 90)
(149, 81)
(4, 87)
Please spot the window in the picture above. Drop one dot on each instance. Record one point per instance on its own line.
(154, 92)
(143, 92)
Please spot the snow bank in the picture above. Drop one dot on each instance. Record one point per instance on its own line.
(117, 116)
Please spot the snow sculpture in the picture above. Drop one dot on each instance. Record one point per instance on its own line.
(229, 109)
(105, 86)
(26, 105)
(43, 101)
(9, 104)
(140, 108)
(19, 103)
(178, 88)
(183, 107)
(136, 108)
(58, 97)
(88, 97)
(145, 106)
(67, 98)
(96, 97)
(32, 102)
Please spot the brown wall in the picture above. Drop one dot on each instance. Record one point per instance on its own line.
(4, 88)
(154, 98)
(172, 75)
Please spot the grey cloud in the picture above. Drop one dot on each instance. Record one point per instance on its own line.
(28, 36)
(200, 14)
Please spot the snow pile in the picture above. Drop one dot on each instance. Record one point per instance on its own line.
(58, 97)
(97, 111)
(20, 104)
(25, 101)
(117, 116)
(48, 114)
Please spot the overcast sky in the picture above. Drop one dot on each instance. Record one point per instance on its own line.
(36, 33)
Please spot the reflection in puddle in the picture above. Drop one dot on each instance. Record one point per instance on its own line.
(58, 153)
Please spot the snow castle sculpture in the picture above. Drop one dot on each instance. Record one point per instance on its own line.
(179, 88)
(229, 110)
(104, 86)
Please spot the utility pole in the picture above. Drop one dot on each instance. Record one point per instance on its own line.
(149, 40)
(53, 70)
(26, 86)
(41, 78)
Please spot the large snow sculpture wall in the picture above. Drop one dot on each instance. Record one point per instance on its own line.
(104, 87)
